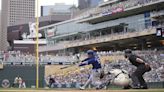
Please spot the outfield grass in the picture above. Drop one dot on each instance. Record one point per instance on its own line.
(76, 90)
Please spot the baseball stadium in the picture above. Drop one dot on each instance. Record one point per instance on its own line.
(115, 46)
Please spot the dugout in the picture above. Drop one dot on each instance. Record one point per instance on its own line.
(27, 73)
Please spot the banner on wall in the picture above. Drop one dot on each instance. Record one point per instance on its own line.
(51, 32)
(160, 32)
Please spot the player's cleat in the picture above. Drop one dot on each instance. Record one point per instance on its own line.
(103, 85)
(81, 88)
(99, 87)
(139, 87)
(108, 82)
(136, 87)
(143, 87)
(127, 87)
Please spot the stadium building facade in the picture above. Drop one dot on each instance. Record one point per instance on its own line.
(83, 4)
(112, 25)
(14, 11)
(57, 9)
(16, 32)
(19, 10)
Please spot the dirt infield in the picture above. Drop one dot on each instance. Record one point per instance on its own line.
(75, 90)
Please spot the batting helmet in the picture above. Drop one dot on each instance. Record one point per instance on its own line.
(90, 52)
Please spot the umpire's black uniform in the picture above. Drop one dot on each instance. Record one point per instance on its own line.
(142, 67)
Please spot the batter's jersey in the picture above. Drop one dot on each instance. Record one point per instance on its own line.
(95, 62)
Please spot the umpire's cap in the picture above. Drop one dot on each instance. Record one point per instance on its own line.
(90, 52)
(128, 51)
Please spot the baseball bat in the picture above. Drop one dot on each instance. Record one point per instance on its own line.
(67, 66)
(78, 60)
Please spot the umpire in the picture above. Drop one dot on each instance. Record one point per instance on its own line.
(142, 67)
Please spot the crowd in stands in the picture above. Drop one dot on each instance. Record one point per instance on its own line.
(155, 59)
(16, 57)
(112, 8)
